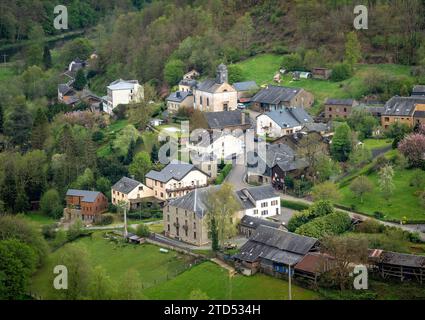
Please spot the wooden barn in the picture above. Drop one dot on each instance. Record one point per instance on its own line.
(273, 251)
(398, 265)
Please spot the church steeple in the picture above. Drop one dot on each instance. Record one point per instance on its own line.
(222, 74)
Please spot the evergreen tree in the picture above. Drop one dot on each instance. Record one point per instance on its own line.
(154, 153)
(80, 80)
(40, 130)
(8, 190)
(1, 119)
(47, 58)
(18, 125)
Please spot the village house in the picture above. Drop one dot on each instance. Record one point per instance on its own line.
(288, 168)
(321, 73)
(277, 98)
(179, 99)
(273, 251)
(418, 90)
(260, 170)
(85, 205)
(184, 217)
(408, 110)
(192, 74)
(217, 94)
(261, 201)
(73, 68)
(245, 90)
(249, 224)
(324, 129)
(300, 140)
(130, 191)
(227, 120)
(282, 122)
(224, 145)
(175, 180)
(339, 108)
(66, 94)
(123, 92)
(206, 163)
(186, 85)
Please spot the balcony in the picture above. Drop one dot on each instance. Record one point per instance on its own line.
(184, 188)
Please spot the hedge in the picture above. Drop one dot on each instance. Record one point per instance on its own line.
(329, 225)
(223, 174)
(294, 205)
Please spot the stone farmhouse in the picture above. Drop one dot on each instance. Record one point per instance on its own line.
(408, 110)
(339, 108)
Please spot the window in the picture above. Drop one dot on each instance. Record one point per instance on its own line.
(208, 102)
(162, 194)
(200, 100)
(256, 211)
(209, 167)
(194, 225)
(168, 217)
(168, 228)
(194, 235)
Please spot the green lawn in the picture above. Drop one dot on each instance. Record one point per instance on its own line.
(6, 73)
(377, 143)
(149, 139)
(403, 202)
(262, 68)
(215, 283)
(39, 219)
(153, 267)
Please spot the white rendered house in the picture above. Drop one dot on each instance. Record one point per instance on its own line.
(123, 92)
(259, 202)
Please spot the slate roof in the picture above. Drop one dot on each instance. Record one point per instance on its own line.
(125, 185)
(316, 127)
(418, 90)
(419, 114)
(248, 196)
(245, 86)
(87, 196)
(64, 88)
(188, 82)
(402, 259)
(194, 201)
(402, 106)
(179, 96)
(176, 170)
(274, 153)
(121, 84)
(208, 85)
(288, 166)
(289, 117)
(254, 222)
(224, 119)
(275, 94)
(340, 102)
(276, 245)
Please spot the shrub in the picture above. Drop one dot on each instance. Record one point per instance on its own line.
(370, 226)
(318, 209)
(97, 136)
(329, 225)
(106, 219)
(142, 230)
(223, 174)
(341, 72)
(50, 204)
(378, 215)
(49, 231)
(299, 219)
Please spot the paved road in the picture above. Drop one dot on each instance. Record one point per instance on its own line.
(408, 227)
(236, 177)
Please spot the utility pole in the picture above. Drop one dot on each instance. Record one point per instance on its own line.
(123, 205)
(290, 289)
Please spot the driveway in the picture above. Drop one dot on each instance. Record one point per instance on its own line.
(236, 177)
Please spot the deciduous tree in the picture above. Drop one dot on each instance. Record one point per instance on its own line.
(361, 186)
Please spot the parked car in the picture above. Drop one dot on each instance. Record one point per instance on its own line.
(241, 106)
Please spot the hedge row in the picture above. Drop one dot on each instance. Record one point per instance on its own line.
(223, 174)
(329, 225)
(294, 205)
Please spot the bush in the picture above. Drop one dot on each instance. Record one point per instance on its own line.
(50, 204)
(318, 209)
(49, 231)
(293, 62)
(341, 72)
(143, 231)
(105, 219)
(329, 225)
(223, 174)
(97, 136)
(370, 226)
(378, 215)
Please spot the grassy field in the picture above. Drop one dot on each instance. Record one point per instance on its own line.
(377, 143)
(38, 218)
(6, 73)
(152, 266)
(263, 67)
(403, 202)
(216, 284)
